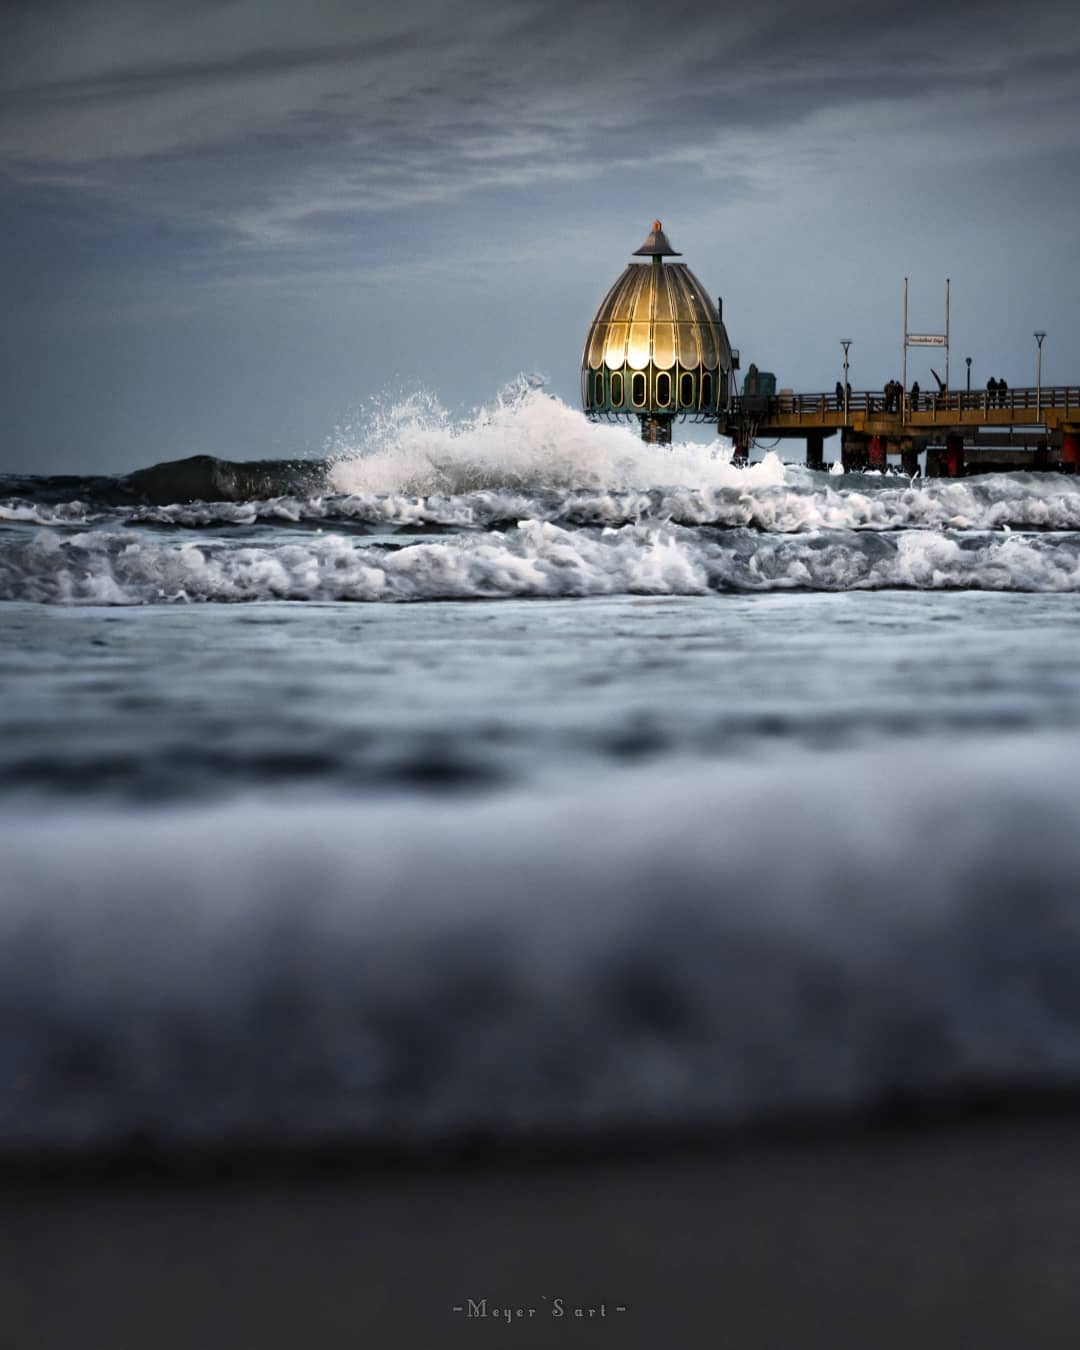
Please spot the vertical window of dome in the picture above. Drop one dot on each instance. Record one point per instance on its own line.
(598, 388)
(706, 388)
(637, 389)
(663, 389)
(686, 389)
(616, 388)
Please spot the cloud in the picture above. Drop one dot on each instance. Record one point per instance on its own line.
(274, 125)
(241, 140)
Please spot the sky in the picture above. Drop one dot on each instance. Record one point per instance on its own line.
(237, 226)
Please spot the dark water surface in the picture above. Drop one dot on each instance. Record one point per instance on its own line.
(191, 701)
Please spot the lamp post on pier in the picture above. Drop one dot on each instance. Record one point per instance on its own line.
(967, 360)
(1038, 377)
(845, 343)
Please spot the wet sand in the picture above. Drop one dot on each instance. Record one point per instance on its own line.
(966, 1235)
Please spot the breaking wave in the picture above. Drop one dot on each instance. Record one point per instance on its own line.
(800, 501)
(526, 439)
(532, 559)
(524, 498)
(650, 956)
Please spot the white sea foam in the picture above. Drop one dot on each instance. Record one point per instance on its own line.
(18, 512)
(801, 502)
(693, 943)
(532, 559)
(526, 438)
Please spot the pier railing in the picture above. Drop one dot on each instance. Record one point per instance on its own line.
(1063, 399)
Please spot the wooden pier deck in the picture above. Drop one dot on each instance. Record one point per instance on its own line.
(961, 431)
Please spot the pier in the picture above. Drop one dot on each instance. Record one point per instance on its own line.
(962, 432)
(658, 351)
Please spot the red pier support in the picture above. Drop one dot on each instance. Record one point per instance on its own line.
(954, 457)
(1070, 452)
(878, 452)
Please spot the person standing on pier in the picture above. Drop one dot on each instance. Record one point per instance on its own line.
(991, 391)
(915, 396)
(839, 397)
(1003, 389)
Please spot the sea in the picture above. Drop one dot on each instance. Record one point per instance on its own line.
(502, 778)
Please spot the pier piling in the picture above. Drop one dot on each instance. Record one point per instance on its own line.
(852, 452)
(656, 429)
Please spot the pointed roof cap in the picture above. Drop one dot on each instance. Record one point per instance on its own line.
(657, 245)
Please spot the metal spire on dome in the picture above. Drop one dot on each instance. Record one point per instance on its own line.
(657, 245)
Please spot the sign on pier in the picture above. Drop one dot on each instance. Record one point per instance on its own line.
(925, 340)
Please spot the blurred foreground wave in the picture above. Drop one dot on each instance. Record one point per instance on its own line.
(699, 946)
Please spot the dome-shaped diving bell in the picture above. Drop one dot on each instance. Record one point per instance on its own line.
(657, 348)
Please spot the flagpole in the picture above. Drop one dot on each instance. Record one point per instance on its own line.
(903, 401)
(946, 340)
